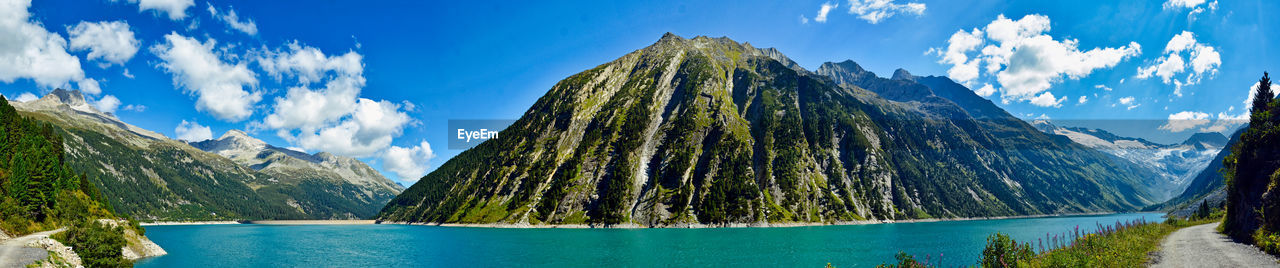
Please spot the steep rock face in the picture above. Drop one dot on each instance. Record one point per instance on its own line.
(149, 176)
(710, 131)
(1175, 165)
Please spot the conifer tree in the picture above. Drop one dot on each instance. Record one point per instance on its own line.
(1263, 97)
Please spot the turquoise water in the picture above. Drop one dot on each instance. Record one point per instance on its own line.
(957, 242)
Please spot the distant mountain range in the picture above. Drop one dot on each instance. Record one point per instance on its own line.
(708, 131)
(149, 176)
(1176, 164)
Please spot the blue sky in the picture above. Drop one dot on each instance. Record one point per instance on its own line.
(391, 73)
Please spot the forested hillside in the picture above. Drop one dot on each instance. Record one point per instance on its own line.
(40, 192)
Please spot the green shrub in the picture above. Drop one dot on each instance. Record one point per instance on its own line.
(904, 261)
(1002, 251)
(97, 244)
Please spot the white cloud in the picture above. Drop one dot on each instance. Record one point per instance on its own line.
(408, 163)
(985, 91)
(303, 107)
(1047, 100)
(26, 97)
(1227, 122)
(960, 43)
(1083, 99)
(1102, 87)
(1185, 120)
(192, 131)
(219, 86)
(107, 104)
(369, 129)
(1024, 59)
(804, 20)
(1204, 60)
(89, 86)
(135, 108)
(1126, 100)
(175, 9)
(28, 50)
(1182, 3)
(111, 41)
(233, 20)
(874, 11)
(823, 11)
(332, 118)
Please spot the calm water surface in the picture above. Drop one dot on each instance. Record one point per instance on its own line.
(953, 243)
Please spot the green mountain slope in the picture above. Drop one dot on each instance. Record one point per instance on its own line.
(148, 176)
(710, 131)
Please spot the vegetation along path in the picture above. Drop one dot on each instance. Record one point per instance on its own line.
(1203, 246)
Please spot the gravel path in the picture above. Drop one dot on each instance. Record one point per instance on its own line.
(1203, 246)
(15, 253)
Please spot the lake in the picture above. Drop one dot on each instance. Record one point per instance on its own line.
(951, 243)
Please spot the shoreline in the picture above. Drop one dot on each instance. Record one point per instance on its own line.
(262, 222)
(738, 225)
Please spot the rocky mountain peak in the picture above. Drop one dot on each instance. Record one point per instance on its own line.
(902, 74)
(240, 137)
(1207, 139)
(71, 98)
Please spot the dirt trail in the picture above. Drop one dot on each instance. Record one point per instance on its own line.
(1203, 246)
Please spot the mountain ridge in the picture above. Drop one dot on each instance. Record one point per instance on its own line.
(711, 131)
(149, 176)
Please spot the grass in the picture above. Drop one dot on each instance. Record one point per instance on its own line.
(1124, 244)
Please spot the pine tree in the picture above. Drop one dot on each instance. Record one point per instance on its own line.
(1264, 95)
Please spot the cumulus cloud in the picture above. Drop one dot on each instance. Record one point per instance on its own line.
(26, 97)
(409, 164)
(111, 42)
(219, 87)
(175, 9)
(28, 50)
(1024, 59)
(985, 91)
(1047, 100)
(192, 131)
(1204, 60)
(88, 86)
(369, 129)
(874, 11)
(1083, 99)
(1102, 87)
(233, 20)
(1185, 120)
(107, 104)
(324, 111)
(823, 11)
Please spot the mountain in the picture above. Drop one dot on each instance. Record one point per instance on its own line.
(294, 167)
(149, 176)
(1208, 184)
(1175, 164)
(708, 131)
